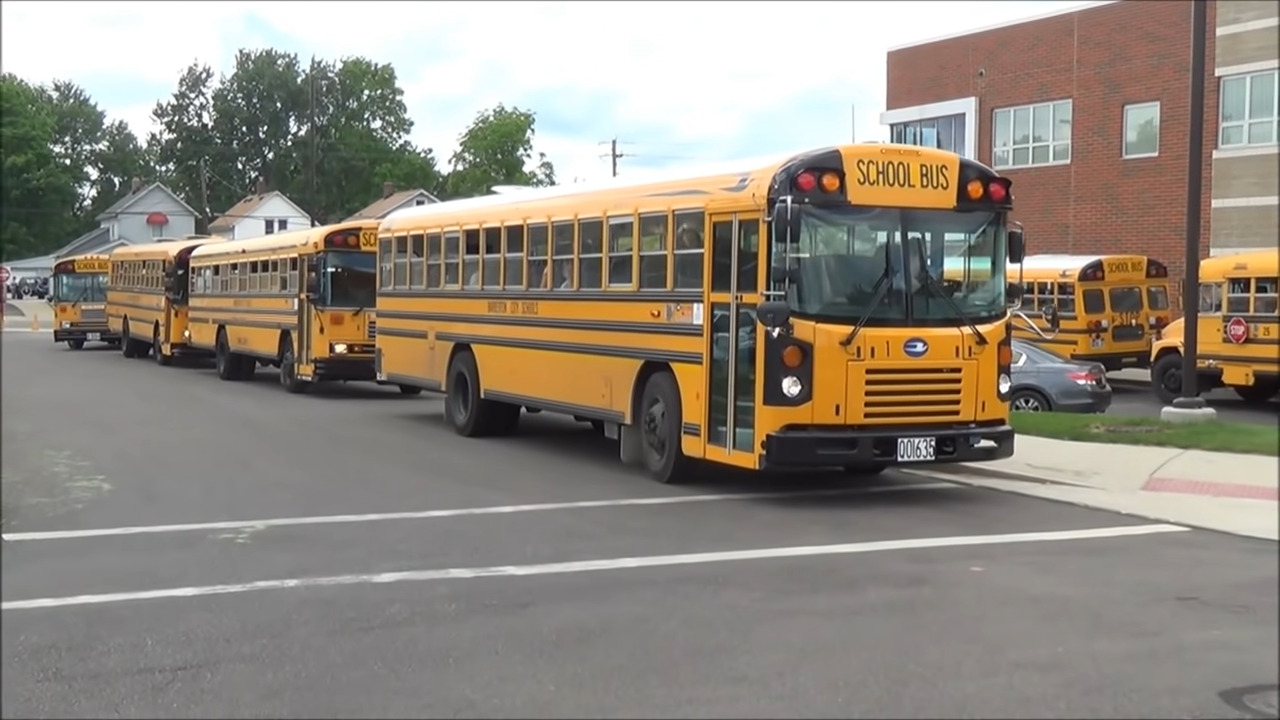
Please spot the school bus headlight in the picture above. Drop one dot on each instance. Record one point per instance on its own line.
(186, 334)
(339, 348)
(1003, 384)
(791, 386)
(66, 324)
(974, 189)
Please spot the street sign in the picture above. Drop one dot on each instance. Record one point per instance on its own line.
(1237, 330)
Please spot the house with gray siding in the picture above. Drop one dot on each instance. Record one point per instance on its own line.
(391, 201)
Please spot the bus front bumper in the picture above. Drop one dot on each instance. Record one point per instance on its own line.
(344, 367)
(912, 445)
(87, 333)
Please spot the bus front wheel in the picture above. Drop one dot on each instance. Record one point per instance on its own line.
(289, 368)
(1166, 377)
(660, 423)
(75, 344)
(158, 348)
(127, 346)
(1258, 393)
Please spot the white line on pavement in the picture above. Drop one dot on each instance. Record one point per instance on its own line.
(629, 563)
(431, 514)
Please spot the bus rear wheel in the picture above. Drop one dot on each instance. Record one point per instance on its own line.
(127, 346)
(289, 369)
(158, 348)
(1258, 393)
(468, 412)
(660, 424)
(1166, 377)
(75, 344)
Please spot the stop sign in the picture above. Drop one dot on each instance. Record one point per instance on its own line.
(1237, 330)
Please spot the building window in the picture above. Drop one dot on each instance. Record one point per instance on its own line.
(1142, 130)
(282, 224)
(157, 231)
(1249, 109)
(268, 226)
(1032, 135)
(945, 133)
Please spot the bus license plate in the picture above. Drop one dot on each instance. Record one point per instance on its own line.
(917, 449)
(95, 336)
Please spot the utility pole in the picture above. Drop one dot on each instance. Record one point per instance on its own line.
(311, 134)
(204, 195)
(1191, 407)
(613, 156)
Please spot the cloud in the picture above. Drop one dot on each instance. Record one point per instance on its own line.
(680, 82)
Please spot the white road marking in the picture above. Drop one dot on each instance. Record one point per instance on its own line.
(629, 563)
(431, 514)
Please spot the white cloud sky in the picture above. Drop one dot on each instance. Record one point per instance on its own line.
(677, 82)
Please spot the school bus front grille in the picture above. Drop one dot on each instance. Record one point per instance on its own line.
(910, 392)
(93, 315)
(372, 325)
(1127, 333)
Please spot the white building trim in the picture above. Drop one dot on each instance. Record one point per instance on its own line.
(1246, 68)
(1247, 26)
(1246, 151)
(1244, 202)
(960, 106)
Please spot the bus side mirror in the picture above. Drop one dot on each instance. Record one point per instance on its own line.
(1017, 246)
(1050, 315)
(773, 314)
(785, 225)
(313, 284)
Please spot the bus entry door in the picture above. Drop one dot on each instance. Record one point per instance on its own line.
(731, 329)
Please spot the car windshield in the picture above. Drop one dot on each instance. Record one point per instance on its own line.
(348, 279)
(80, 287)
(929, 255)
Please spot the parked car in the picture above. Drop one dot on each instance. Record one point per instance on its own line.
(1044, 381)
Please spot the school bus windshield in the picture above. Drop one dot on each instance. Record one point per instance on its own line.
(348, 279)
(80, 287)
(843, 253)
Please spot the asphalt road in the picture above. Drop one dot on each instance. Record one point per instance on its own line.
(1135, 399)
(543, 595)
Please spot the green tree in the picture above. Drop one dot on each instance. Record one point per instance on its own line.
(185, 148)
(497, 149)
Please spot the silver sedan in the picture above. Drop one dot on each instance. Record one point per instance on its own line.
(1044, 382)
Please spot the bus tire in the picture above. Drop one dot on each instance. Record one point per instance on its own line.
(410, 390)
(1258, 393)
(158, 348)
(468, 412)
(1166, 377)
(289, 368)
(75, 344)
(223, 359)
(660, 423)
(127, 348)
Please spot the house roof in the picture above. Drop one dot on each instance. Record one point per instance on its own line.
(245, 208)
(380, 208)
(97, 236)
(123, 203)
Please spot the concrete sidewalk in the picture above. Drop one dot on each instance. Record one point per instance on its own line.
(26, 315)
(1232, 493)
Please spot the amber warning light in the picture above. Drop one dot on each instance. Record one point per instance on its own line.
(996, 191)
(343, 240)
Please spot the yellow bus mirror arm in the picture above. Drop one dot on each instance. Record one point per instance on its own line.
(1029, 324)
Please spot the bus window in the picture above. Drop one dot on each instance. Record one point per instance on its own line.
(1265, 296)
(561, 275)
(653, 252)
(417, 254)
(513, 254)
(435, 260)
(451, 255)
(590, 253)
(688, 250)
(1238, 296)
(1125, 299)
(1094, 303)
(539, 252)
(491, 275)
(384, 263)
(1066, 298)
(1157, 297)
(1210, 298)
(621, 244)
(471, 258)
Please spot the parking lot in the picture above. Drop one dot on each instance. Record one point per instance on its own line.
(180, 546)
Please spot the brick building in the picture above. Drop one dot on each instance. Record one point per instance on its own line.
(1088, 112)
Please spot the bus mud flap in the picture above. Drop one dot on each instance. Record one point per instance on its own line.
(629, 448)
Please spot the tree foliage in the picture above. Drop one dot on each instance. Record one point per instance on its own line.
(328, 134)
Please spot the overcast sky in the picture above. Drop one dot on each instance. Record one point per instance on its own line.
(676, 82)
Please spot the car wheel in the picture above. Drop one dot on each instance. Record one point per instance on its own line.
(1029, 401)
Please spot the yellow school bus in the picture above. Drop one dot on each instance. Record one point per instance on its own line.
(1110, 307)
(79, 297)
(786, 313)
(1238, 333)
(147, 297)
(301, 301)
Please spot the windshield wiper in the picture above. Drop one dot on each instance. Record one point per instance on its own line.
(932, 283)
(79, 297)
(878, 293)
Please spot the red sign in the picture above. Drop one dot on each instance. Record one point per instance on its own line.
(1237, 330)
(4, 275)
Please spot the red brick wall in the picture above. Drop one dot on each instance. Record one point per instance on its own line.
(1102, 58)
